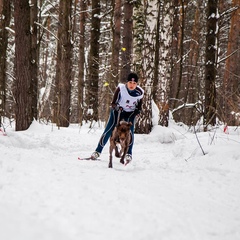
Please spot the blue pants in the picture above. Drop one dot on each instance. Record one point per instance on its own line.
(112, 121)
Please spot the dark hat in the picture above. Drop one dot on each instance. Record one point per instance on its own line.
(132, 77)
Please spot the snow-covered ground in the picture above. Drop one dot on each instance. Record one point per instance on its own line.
(170, 191)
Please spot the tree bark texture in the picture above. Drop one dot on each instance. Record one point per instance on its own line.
(64, 65)
(210, 63)
(93, 75)
(23, 89)
(34, 56)
(232, 69)
(127, 39)
(81, 63)
(5, 13)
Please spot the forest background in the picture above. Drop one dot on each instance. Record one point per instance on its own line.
(61, 60)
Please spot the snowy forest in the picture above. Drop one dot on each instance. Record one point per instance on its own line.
(61, 60)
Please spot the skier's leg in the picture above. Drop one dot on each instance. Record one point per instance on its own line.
(108, 131)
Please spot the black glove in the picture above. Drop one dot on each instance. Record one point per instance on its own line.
(116, 107)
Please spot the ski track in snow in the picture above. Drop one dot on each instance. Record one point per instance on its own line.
(170, 191)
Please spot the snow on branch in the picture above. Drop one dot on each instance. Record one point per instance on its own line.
(188, 105)
(47, 30)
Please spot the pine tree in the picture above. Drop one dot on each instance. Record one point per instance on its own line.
(64, 65)
(23, 89)
(210, 63)
(93, 62)
(232, 69)
(4, 23)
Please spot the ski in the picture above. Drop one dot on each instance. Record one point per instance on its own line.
(88, 159)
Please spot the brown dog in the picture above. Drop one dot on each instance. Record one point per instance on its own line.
(121, 135)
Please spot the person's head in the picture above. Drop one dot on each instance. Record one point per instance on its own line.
(132, 80)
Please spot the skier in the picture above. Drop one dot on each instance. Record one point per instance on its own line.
(128, 100)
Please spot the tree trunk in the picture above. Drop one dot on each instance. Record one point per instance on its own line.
(232, 69)
(81, 63)
(210, 64)
(93, 76)
(162, 98)
(34, 57)
(192, 80)
(127, 39)
(23, 94)
(145, 39)
(64, 65)
(174, 74)
(116, 29)
(5, 13)
(113, 75)
(156, 58)
(180, 53)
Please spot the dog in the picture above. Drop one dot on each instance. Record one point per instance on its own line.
(121, 135)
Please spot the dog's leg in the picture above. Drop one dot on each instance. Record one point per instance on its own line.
(117, 153)
(110, 159)
(124, 154)
(124, 151)
(122, 159)
(110, 162)
(110, 152)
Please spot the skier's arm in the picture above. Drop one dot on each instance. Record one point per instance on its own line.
(116, 97)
